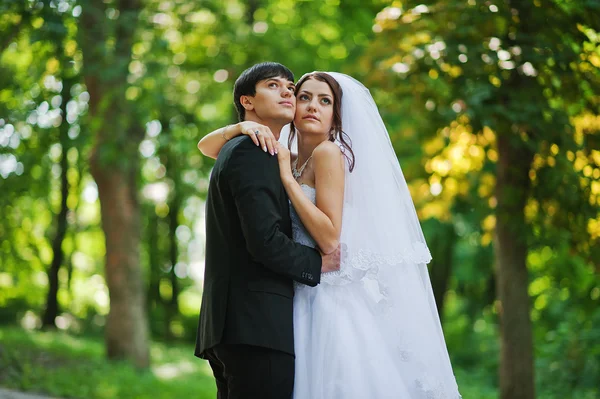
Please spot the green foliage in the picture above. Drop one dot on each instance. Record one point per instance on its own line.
(447, 81)
(454, 75)
(65, 366)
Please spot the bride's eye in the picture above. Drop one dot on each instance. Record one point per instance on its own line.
(326, 101)
(303, 97)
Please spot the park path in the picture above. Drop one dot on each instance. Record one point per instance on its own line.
(8, 394)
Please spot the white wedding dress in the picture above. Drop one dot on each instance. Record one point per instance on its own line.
(352, 342)
(371, 330)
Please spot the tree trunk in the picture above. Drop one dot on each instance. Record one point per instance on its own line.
(440, 268)
(516, 356)
(154, 299)
(174, 252)
(126, 331)
(173, 305)
(115, 167)
(251, 7)
(52, 307)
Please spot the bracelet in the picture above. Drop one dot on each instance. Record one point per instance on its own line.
(223, 133)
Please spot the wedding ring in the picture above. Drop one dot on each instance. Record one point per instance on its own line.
(256, 132)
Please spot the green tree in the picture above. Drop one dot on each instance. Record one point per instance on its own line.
(505, 74)
(106, 36)
(56, 33)
(34, 105)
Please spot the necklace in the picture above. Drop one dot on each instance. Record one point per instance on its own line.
(298, 172)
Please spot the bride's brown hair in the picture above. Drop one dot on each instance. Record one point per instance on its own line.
(336, 132)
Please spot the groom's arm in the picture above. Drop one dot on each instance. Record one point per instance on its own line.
(253, 177)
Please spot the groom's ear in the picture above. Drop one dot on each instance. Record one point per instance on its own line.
(247, 102)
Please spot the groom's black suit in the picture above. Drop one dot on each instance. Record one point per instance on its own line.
(251, 263)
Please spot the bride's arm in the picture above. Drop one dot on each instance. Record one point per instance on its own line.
(211, 144)
(323, 221)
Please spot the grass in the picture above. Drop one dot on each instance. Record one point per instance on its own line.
(66, 366)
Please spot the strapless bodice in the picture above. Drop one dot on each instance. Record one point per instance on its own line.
(299, 233)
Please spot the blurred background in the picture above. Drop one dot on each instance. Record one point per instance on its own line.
(492, 107)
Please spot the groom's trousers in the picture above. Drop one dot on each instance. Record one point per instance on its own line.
(251, 372)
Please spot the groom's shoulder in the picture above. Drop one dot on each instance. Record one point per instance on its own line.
(241, 150)
(233, 148)
(232, 144)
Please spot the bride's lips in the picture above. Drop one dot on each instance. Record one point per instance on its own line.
(310, 118)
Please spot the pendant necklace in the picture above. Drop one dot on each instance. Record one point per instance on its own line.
(298, 172)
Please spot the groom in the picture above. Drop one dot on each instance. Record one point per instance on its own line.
(246, 322)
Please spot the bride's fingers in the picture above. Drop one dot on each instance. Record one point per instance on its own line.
(277, 145)
(266, 139)
(270, 141)
(252, 134)
(261, 138)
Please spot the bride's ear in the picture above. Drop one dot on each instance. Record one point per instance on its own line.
(246, 102)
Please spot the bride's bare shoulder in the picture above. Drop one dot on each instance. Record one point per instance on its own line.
(327, 149)
(327, 154)
(328, 158)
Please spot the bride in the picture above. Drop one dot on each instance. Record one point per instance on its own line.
(371, 329)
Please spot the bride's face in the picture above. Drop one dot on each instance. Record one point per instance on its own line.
(314, 108)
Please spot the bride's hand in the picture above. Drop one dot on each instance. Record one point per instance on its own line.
(261, 135)
(283, 157)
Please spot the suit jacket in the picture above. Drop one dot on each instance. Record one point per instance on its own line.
(251, 261)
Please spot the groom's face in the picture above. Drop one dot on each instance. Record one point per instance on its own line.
(274, 100)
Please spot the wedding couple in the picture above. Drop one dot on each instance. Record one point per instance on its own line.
(316, 283)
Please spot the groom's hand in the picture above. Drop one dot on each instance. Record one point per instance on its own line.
(330, 262)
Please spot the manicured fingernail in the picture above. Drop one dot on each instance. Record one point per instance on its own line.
(272, 152)
(265, 148)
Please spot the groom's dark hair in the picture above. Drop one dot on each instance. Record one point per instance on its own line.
(245, 85)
